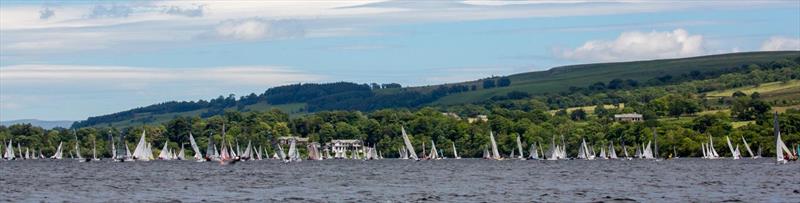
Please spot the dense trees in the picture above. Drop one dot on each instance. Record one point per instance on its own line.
(382, 129)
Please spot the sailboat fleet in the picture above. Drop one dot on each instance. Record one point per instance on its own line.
(225, 151)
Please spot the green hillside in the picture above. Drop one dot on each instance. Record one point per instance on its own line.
(299, 99)
(294, 109)
(561, 78)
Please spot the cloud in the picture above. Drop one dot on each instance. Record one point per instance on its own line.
(779, 43)
(638, 46)
(111, 11)
(121, 75)
(188, 12)
(46, 13)
(257, 28)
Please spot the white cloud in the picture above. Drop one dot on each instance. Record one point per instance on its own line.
(779, 43)
(639, 45)
(122, 75)
(257, 28)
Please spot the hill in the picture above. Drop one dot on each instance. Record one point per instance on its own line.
(40, 123)
(653, 72)
(300, 99)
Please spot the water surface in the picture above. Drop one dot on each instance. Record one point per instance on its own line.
(466, 180)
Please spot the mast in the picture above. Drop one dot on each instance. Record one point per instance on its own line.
(655, 143)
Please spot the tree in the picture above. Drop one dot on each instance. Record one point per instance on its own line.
(488, 84)
(578, 115)
(504, 82)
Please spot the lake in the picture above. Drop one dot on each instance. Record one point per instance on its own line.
(466, 180)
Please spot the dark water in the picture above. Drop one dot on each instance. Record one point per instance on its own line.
(467, 180)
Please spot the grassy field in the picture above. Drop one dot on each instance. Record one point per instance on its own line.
(561, 78)
(791, 86)
(588, 109)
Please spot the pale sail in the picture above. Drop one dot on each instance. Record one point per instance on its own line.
(412, 154)
(9, 155)
(495, 153)
(94, 151)
(533, 154)
(164, 155)
(59, 152)
(434, 153)
(730, 147)
(747, 146)
(196, 149)
(181, 154)
(455, 152)
(142, 151)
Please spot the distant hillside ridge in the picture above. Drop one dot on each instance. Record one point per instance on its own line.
(311, 97)
(40, 123)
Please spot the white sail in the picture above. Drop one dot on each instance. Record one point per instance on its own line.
(281, 154)
(113, 148)
(293, 154)
(730, 147)
(747, 146)
(164, 155)
(9, 155)
(94, 151)
(495, 153)
(248, 151)
(455, 152)
(648, 152)
(196, 149)
(412, 154)
(142, 151)
(533, 154)
(77, 149)
(703, 149)
(603, 153)
(434, 153)
(181, 154)
(612, 152)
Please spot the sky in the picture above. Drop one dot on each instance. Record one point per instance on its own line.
(68, 60)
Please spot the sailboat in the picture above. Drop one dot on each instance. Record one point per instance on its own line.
(495, 153)
(128, 155)
(181, 154)
(412, 154)
(782, 153)
(434, 152)
(281, 154)
(113, 146)
(78, 150)
(197, 157)
(258, 153)
(143, 151)
(553, 151)
(712, 153)
(734, 153)
(455, 152)
(584, 151)
(603, 153)
(519, 148)
(294, 156)
(533, 154)
(612, 153)
(165, 154)
(94, 152)
(9, 154)
(747, 146)
(648, 152)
